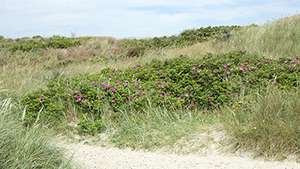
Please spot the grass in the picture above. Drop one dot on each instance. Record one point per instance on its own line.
(27, 147)
(266, 124)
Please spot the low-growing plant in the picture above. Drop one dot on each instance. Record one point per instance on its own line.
(185, 38)
(214, 80)
(37, 36)
(101, 59)
(27, 44)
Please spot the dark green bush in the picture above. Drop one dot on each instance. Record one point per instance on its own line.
(26, 44)
(185, 38)
(214, 80)
(37, 36)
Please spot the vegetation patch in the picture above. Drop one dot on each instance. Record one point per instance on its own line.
(211, 81)
(37, 42)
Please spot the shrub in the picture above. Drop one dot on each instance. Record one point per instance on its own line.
(214, 80)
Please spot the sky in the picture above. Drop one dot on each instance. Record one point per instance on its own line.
(133, 18)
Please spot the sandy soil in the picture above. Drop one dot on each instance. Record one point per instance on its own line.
(98, 156)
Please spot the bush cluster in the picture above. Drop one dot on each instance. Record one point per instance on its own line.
(27, 44)
(213, 80)
(185, 38)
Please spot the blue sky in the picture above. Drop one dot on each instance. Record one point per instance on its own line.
(132, 18)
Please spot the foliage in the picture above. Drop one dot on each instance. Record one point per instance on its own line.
(27, 147)
(27, 44)
(185, 38)
(213, 80)
(101, 59)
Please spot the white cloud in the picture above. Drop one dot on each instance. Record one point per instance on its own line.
(131, 18)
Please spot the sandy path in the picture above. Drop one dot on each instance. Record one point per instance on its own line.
(112, 158)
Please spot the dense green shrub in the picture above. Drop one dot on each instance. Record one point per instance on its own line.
(37, 36)
(27, 44)
(185, 38)
(213, 80)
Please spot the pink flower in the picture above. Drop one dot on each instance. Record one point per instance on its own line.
(129, 103)
(208, 96)
(162, 86)
(192, 88)
(186, 95)
(227, 95)
(41, 90)
(181, 54)
(100, 96)
(193, 68)
(192, 104)
(225, 66)
(228, 71)
(42, 97)
(113, 100)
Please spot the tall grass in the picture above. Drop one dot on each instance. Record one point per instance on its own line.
(273, 39)
(269, 126)
(27, 147)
